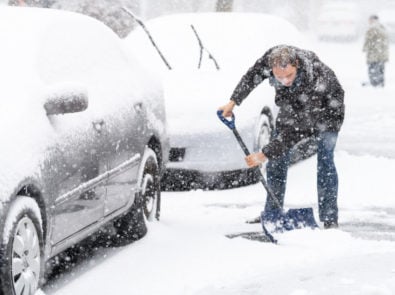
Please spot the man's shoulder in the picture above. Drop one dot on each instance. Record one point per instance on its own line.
(306, 54)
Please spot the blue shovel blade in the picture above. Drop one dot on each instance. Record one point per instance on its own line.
(276, 220)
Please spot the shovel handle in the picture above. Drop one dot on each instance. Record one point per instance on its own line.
(229, 123)
(232, 126)
(241, 142)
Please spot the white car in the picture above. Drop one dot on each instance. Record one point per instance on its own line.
(83, 140)
(204, 152)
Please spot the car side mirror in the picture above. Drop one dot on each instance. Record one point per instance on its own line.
(66, 102)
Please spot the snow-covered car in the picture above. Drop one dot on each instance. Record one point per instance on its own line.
(204, 153)
(338, 21)
(83, 140)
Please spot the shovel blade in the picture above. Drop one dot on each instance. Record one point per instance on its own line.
(277, 220)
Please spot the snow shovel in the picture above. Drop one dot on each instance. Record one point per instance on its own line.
(277, 219)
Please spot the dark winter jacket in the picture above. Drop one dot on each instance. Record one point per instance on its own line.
(314, 102)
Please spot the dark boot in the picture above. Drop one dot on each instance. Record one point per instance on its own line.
(330, 224)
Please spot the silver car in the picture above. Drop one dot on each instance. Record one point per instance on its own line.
(83, 140)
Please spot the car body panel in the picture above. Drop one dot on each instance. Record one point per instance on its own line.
(200, 132)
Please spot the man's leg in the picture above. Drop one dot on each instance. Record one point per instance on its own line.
(371, 73)
(276, 172)
(381, 74)
(374, 74)
(327, 180)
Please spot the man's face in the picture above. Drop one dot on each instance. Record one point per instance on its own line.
(285, 76)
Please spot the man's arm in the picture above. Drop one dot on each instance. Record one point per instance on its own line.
(228, 108)
(367, 40)
(332, 115)
(278, 146)
(254, 76)
(284, 141)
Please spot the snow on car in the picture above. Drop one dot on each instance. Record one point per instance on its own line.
(204, 152)
(83, 140)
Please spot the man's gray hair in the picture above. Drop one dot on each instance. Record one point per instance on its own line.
(282, 56)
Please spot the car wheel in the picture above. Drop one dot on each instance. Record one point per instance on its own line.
(132, 226)
(21, 248)
(262, 136)
(150, 187)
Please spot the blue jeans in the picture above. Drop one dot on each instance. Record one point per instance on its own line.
(376, 73)
(327, 180)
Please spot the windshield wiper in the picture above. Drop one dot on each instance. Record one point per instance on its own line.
(140, 22)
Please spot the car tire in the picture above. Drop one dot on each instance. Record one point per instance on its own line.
(21, 248)
(149, 182)
(133, 225)
(262, 135)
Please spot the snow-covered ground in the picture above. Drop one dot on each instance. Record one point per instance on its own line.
(187, 252)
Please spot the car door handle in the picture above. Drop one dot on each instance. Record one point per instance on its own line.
(138, 107)
(98, 125)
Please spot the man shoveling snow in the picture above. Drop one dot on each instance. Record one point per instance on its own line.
(311, 104)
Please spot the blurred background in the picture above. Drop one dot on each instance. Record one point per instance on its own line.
(326, 19)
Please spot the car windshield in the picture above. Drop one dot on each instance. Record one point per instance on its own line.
(239, 34)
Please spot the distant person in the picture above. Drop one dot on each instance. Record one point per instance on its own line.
(376, 48)
(310, 101)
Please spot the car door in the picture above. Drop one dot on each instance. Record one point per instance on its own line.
(127, 140)
(79, 166)
(127, 131)
(73, 57)
(87, 53)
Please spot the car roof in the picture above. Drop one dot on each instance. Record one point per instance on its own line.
(22, 30)
(26, 26)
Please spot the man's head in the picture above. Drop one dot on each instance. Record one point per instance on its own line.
(373, 19)
(284, 64)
